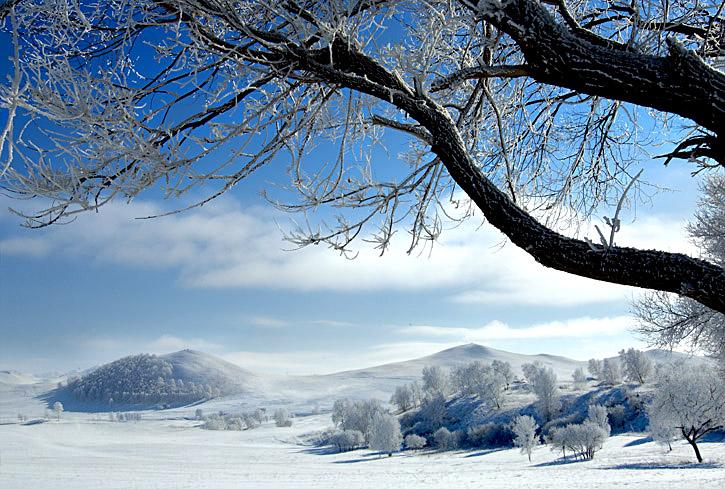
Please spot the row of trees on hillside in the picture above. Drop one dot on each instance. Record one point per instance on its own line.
(139, 379)
(688, 402)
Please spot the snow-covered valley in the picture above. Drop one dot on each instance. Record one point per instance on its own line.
(81, 452)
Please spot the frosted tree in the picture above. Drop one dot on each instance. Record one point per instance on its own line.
(58, 409)
(504, 370)
(524, 124)
(691, 399)
(347, 440)
(199, 413)
(661, 429)
(668, 320)
(611, 372)
(530, 370)
(579, 379)
(446, 440)
(281, 418)
(583, 440)
(524, 429)
(490, 388)
(339, 410)
(357, 415)
(415, 442)
(403, 398)
(636, 365)
(594, 366)
(543, 383)
(433, 411)
(385, 434)
(434, 381)
(416, 392)
(598, 415)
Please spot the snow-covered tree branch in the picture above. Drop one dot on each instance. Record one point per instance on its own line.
(108, 99)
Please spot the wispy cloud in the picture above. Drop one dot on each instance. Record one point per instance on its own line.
(224, 245)
(497, 330)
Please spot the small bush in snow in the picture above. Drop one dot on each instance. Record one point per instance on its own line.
(442, 438)
(524, 430)
(199, 414)
(415, 442)
(347, 440)
(281, 418)
(58, 409)
(489, 435)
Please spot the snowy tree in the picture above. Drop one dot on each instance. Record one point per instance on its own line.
(598, 415)
(385, 434)
(281, 418)
(347, 440)
(434, 381)
(530, 370)
(490, 388)
(58, 409)
(199, 413)
(357, 415)
(445, 440)
(543, 383)
(416, 392)
(691, 399)
(595, 368)
(403, 398)
(525, 122)
(668, 320)
(524, 429)
(583, 440)
(504, 371)
(415, 442)
(611, 372)
(636, 365)
(579, 379)
(433, 412)
(661, 429)
(339, 409)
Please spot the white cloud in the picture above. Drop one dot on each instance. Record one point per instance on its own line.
(223, 245)
(169, 343)
(266, 322)
(497, 330)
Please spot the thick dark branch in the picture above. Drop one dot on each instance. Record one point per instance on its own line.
(680, 83)
(658, 270)
(478, 72)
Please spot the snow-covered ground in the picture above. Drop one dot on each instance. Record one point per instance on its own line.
(82, 452)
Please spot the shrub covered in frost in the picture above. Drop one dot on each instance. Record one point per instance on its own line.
(415, 442)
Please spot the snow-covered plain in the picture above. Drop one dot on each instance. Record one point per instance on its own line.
(82, 452)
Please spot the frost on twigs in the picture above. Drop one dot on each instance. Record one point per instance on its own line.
(613, 223)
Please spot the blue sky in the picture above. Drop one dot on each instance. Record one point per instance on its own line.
(219, 279)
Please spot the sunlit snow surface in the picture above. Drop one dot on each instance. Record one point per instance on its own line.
(82, 452)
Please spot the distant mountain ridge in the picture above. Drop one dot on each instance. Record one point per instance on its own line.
(189, 376)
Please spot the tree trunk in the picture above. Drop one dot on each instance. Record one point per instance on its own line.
(693, 444)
